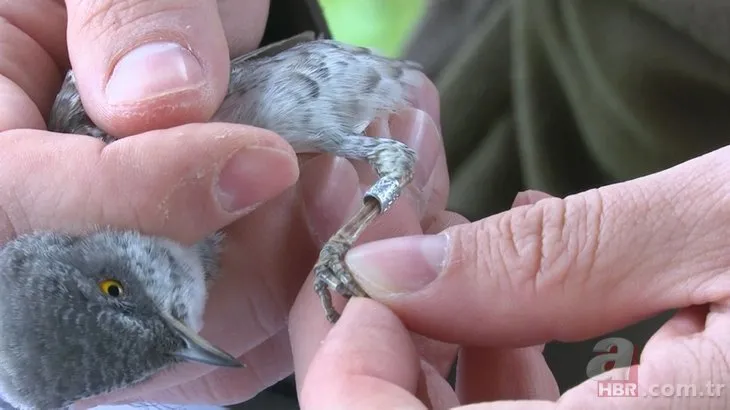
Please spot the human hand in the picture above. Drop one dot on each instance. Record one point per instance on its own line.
(370, 355)
(156, 86)
(559, 269)
(74, 184)
(250, 303)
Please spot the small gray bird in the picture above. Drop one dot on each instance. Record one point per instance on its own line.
(86, 315)
(89, 314)
(319, 95)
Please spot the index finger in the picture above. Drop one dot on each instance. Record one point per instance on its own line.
(31, 52)
(563, 269)
(367, 361)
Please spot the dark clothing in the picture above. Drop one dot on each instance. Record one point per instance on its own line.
(568, 95)
(291, 17)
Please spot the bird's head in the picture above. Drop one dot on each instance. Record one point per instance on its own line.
(85, 315)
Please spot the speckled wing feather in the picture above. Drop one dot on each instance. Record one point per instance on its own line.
(319, 95)
(316, 93)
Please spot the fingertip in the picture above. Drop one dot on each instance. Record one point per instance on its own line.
(366, 356)
(529, 197)
(428, 100)
(209, 175)
(418, 261)
(417, 129)
(442, 221)
(147, 65)
(489, 374)
(252, 175)
(308, 328)
(161, 182)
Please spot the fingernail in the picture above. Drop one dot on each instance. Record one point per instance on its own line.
(400, 265)
(416, 129)
(153, 70)
(254, 175)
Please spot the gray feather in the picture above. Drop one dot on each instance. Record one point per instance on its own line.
(62, 339)
(318, 94)
(313, 93)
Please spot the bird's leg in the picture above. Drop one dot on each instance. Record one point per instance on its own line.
(394, 162)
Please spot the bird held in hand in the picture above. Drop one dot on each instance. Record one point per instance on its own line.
(85, 315)
(88, 314)
(320, 95)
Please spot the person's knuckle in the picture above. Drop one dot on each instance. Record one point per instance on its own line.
(539, 246)
(580, 236)
(472, 252)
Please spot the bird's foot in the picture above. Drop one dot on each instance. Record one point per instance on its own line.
(331, 272)
(393, 161)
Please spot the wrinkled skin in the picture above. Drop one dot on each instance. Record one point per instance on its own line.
(169, 176)
(549, 269)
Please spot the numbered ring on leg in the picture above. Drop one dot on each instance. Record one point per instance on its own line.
(386, 191)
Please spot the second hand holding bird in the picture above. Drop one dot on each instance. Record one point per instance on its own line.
(320, 96)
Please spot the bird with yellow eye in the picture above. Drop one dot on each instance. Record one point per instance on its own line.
(111, 287)
(64, 333)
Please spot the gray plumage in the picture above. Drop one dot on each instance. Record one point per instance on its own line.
(319, 95)
(62, 339)
(313, 93)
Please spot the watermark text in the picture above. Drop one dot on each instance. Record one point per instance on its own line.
(625, 388)
(616, 371)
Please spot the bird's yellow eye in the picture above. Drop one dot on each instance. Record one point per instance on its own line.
(111, 287)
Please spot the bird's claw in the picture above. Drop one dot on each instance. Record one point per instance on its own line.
(331, 273)
(393, 161)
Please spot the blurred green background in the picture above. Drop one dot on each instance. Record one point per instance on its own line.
(383, 25)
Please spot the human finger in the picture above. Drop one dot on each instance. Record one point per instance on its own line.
(445, 219)
(307, 323)
(308, 328)
(243, 23)
(333, 188)
(633, 249)
(366, 361)
(33, 47)
(437, 184)
(428, 191)
(683, 365)
(332, 192)
(529, 197)
(427, 99)
(56, 181)
(149, 64)
(268, 255)
(439, 354)
(488, 374)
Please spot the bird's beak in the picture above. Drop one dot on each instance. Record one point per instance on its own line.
(199, 349)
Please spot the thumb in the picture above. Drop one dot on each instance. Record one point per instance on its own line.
(563, 269)
(142, 65)
(183, 183)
